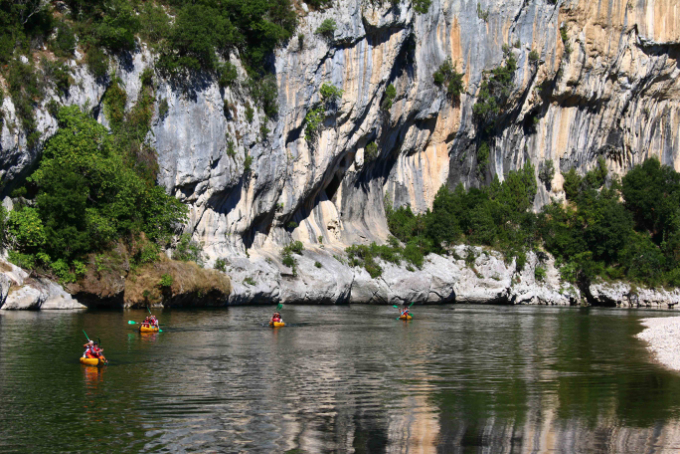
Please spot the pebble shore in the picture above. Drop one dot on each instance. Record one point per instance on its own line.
(663, 339)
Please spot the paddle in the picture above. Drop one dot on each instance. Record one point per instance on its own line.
(131, 322)
(88, 339)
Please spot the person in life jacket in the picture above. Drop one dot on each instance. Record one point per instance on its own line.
(88, 349)
(154, 321)
(95, 351)
(405, 312)
(276, 318)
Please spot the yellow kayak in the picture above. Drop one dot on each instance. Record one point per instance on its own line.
(277, 324)
(405, 317)
(148, 329)
(93, 361)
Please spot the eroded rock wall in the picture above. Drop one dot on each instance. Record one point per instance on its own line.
(609, 89)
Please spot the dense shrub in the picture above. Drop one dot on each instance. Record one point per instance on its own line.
(97, 63)
(65, 41)
(265, 91)
(85, 198)
(295, 247)
(599, 235)
(327, 29)
(198, 33)
(166, 280)
(495, 91)
(483, 153)
(221, 265)
(421, 6)
(188, 250)
(314, 120)
(534, 56)
(388, 99)
(228, 75)
(21, 23)
(498, 216)
(546, 172)
(449, 78)
(371, 152)
(155, 23)
(330, 94)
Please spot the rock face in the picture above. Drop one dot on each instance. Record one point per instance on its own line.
(18, 291)
(626, 295)
(486, 278)
(605, 84)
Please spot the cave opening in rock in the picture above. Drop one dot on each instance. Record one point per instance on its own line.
(332, 187)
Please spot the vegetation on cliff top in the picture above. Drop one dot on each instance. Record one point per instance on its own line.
(188, 36)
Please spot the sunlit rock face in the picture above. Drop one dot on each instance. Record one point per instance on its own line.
(605, 85)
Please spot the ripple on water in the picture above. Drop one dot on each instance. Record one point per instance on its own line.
(337, 379)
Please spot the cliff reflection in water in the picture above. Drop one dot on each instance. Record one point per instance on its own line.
(339, 379)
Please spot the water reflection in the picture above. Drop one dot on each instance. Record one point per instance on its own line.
(93, 377)
(338, 379)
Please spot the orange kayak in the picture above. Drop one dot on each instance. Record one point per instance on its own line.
(277, 324)
(405, 317)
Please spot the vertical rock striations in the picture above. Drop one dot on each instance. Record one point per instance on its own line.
(593, 79)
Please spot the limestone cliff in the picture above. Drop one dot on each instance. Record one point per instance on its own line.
(605, 84)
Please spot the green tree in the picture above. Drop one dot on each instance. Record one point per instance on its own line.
(652, 193)
(88, 197)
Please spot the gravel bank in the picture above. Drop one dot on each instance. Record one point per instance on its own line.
(663, 339)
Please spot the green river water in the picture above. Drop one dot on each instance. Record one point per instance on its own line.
(457, 378)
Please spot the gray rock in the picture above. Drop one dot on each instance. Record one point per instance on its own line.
(20, 292)
(57, 298)
(24, 298)
(624, 295)
(614, 95)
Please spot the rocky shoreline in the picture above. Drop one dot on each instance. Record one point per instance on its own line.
(323, 276)
(661, 335)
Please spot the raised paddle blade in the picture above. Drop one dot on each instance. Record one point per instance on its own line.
(147, 308)
(279, 307)
(131, 322)
(160, 330)
(395, 306)
(409, 306)
(88, 339)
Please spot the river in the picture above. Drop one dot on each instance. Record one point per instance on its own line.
(457, 378)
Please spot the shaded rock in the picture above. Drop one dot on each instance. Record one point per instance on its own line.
(57, 298)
